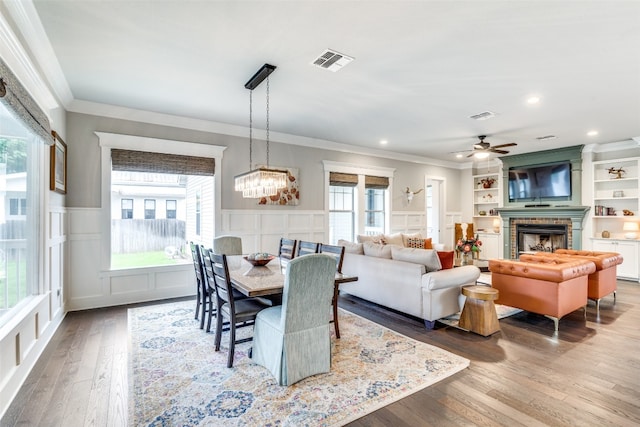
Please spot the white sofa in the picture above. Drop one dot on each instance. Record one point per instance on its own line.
(407, 286)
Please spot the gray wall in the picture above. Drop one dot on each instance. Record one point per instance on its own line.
(85, 176)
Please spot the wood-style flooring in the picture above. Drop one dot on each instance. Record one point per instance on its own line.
(586, 375)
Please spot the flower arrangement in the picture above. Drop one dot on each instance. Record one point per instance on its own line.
(468, 245)
(487, 182)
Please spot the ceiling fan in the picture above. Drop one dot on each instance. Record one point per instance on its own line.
(485, 147)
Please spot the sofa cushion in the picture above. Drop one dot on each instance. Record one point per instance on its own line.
(393, 239)
(377, 238)
(351, 248)
(427, 257)
(418, 242)
(377, 250)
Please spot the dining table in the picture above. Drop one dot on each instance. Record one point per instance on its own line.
(254, 281)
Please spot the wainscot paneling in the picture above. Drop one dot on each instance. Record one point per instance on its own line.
(91, 285)
(408, 222)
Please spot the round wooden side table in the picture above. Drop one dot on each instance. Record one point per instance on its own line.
(479, 312)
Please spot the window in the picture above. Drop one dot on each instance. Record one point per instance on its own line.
(149, 209)
(21, 161)
(172, 205)
(127, 208)
(341, 213)
(374, 211)
(198, 216)
(141, 183)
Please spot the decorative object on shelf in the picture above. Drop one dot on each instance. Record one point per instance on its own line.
(288, 195)
(488, 198)
(618, 193)
(616, 172)
(627, 212)
(409, 194)
(496, 225)
(482, 213)
(631, 229)
(262, 181)
(605, 234)
(487, 182)
(466, 246)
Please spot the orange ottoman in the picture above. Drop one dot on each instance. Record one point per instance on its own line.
(551, 287)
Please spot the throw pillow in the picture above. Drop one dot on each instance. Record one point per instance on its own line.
(393, 239)
(409, 236)
(378, 238)
(427, 257)
(376, 250)
(351, 248)
(446, 259)
(419, 243)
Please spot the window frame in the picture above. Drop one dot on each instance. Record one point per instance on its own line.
(174, 210)
(148, 211)
(123, 209)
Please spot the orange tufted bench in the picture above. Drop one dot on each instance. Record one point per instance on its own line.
(603, 281)
(548, 286)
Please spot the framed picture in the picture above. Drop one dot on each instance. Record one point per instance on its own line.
(58, 178)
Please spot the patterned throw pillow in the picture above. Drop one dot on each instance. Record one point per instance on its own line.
(415, 242)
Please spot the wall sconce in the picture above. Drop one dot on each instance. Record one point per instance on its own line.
(496, 225)
(631, 229)
(409, 194)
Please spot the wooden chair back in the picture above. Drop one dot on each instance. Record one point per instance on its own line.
(335, 251)
(287, 250)
(307, 248)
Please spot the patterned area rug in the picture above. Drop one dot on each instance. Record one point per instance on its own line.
(176, 379)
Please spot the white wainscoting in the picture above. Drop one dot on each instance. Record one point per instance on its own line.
(91, 286)
(408, 222)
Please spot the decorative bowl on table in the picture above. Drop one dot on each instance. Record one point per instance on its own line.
(259, 259)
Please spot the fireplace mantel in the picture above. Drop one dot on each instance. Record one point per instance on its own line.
(574, 213)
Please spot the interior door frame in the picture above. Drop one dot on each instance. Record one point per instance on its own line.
(439, 204)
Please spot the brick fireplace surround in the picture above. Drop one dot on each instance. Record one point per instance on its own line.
(571, 216)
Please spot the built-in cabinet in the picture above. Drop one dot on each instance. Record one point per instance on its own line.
(616, 209)
(486, 221)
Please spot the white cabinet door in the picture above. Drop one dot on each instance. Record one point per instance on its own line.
(629, 251)
(490, 245)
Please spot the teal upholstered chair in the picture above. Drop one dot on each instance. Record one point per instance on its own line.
(227, 245)
(293, 340)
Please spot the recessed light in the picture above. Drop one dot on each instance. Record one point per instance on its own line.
(592, 133)
(383, 142)
(459, 156)
(533, 100)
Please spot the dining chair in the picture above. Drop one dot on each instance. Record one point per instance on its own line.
(306, 248)
(227, 245)
(237, 312)
(293, 340)
(287, 250)
(201, 302)
(338, 253)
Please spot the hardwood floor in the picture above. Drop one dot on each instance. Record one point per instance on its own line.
(586, 375)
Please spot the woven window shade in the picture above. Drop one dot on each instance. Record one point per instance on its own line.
(142, 161)
(343, 179)
(379, 182)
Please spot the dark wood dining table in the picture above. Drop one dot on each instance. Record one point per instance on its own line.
(269, 280)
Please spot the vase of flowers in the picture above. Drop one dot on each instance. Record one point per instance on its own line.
(466, 248)
(487, 182)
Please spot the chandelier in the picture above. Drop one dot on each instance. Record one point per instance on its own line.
(262, 181)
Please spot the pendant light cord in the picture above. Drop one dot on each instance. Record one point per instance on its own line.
(251, 130)
(267, 121)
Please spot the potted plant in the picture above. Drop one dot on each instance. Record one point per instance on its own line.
(487, 182)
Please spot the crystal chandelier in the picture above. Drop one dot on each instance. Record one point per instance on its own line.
(262, 181)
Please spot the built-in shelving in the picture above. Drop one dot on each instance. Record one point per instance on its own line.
(486, 201)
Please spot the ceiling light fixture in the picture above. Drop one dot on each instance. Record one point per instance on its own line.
(485, 115)
(481, 155)
(592, 133)
(546, 137)
(383, 142)
(262, 181)
(533, 100)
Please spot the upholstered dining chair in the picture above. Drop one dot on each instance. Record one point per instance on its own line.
(306, 248)
(293, 340)
(287, 250)
(237, 312)
(227, 245)
(201, 287)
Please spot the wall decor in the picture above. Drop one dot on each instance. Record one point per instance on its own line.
(58, 173)
(288, 196)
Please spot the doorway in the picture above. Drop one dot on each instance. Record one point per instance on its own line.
(434, 207)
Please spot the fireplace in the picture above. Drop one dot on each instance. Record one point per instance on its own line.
(541, 237)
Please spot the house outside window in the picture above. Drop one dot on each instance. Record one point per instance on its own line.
(127, 208)
(17, 206)
(149, 209)
(171, 206)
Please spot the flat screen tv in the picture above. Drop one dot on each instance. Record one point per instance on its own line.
(549, 181)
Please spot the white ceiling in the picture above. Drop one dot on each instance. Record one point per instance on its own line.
(421, 68)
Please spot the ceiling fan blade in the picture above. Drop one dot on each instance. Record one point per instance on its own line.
(470, 155)
(493, 150)
(511, 144)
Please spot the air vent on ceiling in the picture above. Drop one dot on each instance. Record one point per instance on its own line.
(483, 116)
(546, 137)
(332, 60)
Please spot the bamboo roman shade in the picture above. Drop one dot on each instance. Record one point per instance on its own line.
(142, 161)
(343, 179)
(16, 98)
(377, 182)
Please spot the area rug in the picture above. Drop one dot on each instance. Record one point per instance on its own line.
(177, 379)
(501, 310)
